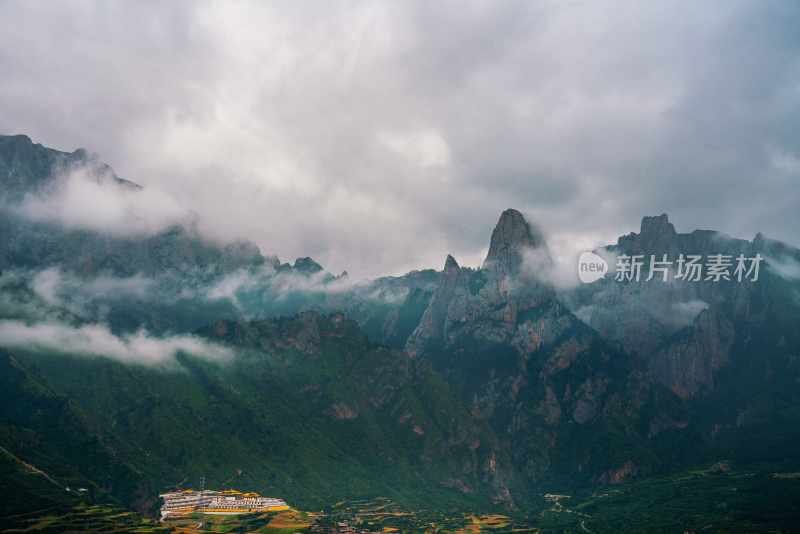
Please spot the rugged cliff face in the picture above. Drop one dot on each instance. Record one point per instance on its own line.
(490, 299)
(690, 361)
(685, 331)
(729, 347)
(538, 375)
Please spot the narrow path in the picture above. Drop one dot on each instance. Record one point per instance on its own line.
(30, 467)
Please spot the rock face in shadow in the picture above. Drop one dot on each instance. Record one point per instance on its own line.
(689, 363)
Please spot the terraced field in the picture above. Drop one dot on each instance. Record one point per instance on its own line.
(717, 498)
(269, 523)
(83, 518)
(382, 514)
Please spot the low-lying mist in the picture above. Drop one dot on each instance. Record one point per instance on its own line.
(96, 340)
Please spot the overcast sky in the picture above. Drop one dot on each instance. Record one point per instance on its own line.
(377, 137)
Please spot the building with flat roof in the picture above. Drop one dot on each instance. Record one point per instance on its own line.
(228, 502)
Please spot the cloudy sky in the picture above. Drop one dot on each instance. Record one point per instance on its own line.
(379, 136)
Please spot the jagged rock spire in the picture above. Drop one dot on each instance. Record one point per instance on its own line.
(657, 227)
(450, 264)
(511, 238)
(656, 236)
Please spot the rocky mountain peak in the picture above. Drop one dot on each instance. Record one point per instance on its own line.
(759, 241)
(512, 236)
(13, 141)
(450, 264)
(307, 266)
(657, 227)
(656, 235)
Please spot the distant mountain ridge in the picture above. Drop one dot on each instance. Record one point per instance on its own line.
(26, 167)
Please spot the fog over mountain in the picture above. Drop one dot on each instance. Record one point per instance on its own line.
(362, 133)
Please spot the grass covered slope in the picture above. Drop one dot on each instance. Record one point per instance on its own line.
(309, 410)
(712, 498)
(49, 435)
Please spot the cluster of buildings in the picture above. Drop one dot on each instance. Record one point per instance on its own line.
(228, 502)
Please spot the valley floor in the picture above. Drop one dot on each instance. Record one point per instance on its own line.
(714, 498)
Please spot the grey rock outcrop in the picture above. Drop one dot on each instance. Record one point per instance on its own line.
(513, 237)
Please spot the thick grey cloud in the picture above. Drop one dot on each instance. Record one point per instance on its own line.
(378, 136)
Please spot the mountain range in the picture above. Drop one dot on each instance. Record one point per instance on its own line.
(133, 364)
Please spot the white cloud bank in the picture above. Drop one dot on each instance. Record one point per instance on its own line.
(558, 265)
(785, 266)
(79, 198)
(97, 340)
